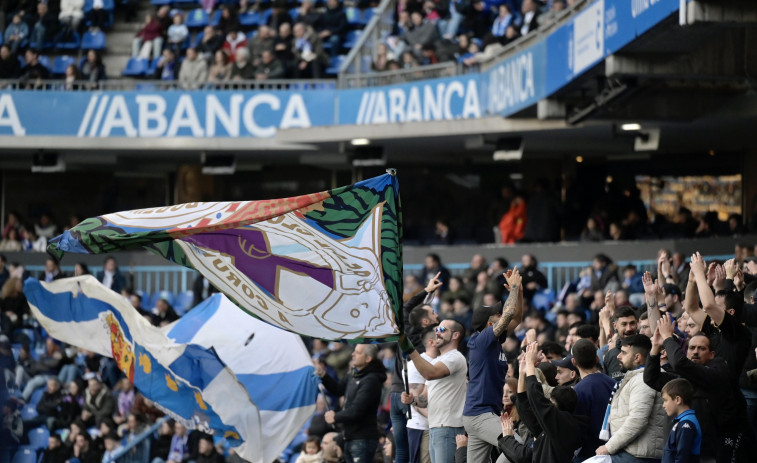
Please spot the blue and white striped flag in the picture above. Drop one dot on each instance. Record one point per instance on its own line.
(273, 364)
(186, 379)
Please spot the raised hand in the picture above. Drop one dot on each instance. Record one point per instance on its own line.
(665, 327)
(650, 285)
(610, 301)
(663, 264)
(720, 276)
(513, 278)
(532, 354)
(434, 283)
(697, 263)
(507, 424)
(730, 268)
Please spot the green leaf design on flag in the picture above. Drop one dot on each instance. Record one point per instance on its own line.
(344, 212)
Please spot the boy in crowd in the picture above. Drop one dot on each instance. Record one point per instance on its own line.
(685, 438)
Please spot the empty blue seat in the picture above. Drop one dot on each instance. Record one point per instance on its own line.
(368, 14)
(184, 302)
(250, 19)
(135, 67)
(216, 18)
(93, 40)
(197, 19)
(543, 300)
(61, 63)
(28, 412)
(38, 438)
(335, 64)
(351, 39)
(354, 18)
(25, 454)
(160, 2)
(72, 43)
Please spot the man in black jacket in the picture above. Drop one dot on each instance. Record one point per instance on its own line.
(718, 402)
(362, 394)
(558, 432)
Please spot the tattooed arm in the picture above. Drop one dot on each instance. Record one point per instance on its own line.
(513, 309)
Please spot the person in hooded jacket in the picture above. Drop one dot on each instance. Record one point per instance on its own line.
(362, 394)
(558, 432)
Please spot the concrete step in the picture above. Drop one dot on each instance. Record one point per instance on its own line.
(114, 64)
(120, 42)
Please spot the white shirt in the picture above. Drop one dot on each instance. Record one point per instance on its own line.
(414, 377)
(446, 396)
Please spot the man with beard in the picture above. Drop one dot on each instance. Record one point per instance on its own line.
(718, 402)
(446, 376)
(488, 368)
(636, 422)
(625, 324)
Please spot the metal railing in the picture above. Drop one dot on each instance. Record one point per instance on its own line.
(147, 85)
(361, 56)
(143, 439)
(148, 279)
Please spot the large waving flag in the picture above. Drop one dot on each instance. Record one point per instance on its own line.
(327, 265)
(186, 379)
(272, 364)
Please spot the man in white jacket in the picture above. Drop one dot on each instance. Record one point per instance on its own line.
(637, 421)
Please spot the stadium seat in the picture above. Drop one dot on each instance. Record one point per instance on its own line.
(354, 17)
(28, 412)
(351, 39)
(294, 13)
(249, 19)
(184, 302)
(186, 3)
(36, 396)
(368, 14)
(252, 34)
(72, 44)
(88, 5)
(38, 438)
(335, 64)
(216, 18)
(28, 332)
(44, 61)
(25, 454)
(93, 41)
(135, 67)
(543, 300)
(61, 63)
(160, 2)
(197, 19)
(198, 39)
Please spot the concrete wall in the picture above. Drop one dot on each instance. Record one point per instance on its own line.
(559, 252)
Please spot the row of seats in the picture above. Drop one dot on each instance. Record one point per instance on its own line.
(90, 40)
(199, 18)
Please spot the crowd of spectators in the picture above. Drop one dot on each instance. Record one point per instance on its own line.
(689, 320)
(28, 27)
(288, 43)
(467, 31)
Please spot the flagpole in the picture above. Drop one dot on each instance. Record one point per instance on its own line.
(407, 386)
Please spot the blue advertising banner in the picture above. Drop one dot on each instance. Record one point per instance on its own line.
(516, 83)
(627, 19)
(429, 100)
(520, 81)
(168, 114)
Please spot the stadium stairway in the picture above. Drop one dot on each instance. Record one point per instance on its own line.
(119, 39)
